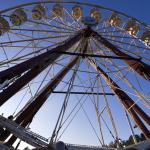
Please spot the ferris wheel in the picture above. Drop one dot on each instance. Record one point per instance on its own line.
(59, 60)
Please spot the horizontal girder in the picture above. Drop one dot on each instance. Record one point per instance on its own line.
(98, 56)
(87, 93)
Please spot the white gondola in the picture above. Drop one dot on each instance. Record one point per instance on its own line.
(132, 27)
(18, 17)
(146, 38)
(57, 10)
(95, 13)
(77, 12)
(38, 12)
(4, 26)
(114, 20)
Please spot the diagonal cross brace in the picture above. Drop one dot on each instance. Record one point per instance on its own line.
(140, 67)
(126, 100)
(26, 116)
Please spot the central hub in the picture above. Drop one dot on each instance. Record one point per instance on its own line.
(89, 21)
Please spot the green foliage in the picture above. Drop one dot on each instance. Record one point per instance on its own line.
(129, 141)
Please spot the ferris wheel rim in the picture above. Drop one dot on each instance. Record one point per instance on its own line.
(74, 2)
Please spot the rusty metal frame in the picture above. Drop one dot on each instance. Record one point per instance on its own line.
(125, 100)
(140, 67)
(27, 115)
(34, 66)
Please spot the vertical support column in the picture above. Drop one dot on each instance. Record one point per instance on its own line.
(132, 131)
(27, 115)
(110, 113)
(124, 98)
(118, 52)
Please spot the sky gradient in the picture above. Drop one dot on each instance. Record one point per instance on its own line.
(136, 8)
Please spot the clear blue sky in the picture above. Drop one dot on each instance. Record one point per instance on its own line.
(136, 8)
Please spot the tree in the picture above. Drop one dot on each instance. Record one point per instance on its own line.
(142, 137)
(129, 141)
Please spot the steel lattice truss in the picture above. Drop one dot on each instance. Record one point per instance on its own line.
(87, 58)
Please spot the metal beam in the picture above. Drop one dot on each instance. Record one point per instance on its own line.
(126, 101)
(40, 59)
(29, 112)
(98, 56)
(140, 67)
(39, 64)
(88, 93)
(25, 135)
(26, 116)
